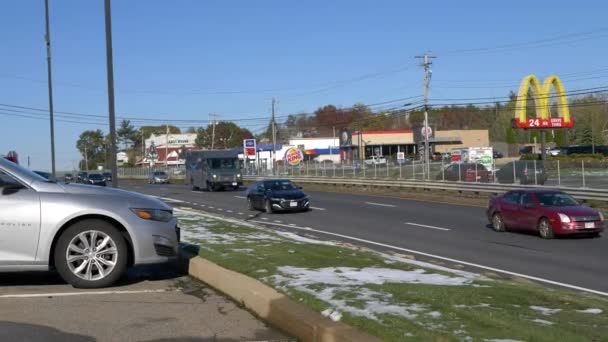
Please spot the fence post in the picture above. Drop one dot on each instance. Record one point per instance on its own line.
(514, 176)
(535, 177)
(375, 170)
(459, 172)
(400, 171)
(583, 169)
(316, 170)
(475, 172)
(333, 167)
(414, 169)
(342, 169)
(559, 178)
(442, 171)
(387, 170)
(364, 169)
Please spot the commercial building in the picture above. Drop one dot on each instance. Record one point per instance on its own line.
(364, 145)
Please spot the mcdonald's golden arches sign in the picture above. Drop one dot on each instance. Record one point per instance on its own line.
(542, 101)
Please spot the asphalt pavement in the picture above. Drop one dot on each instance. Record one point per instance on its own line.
(152, 303)
(449, 233)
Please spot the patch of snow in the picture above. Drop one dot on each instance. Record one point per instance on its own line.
(261, 271)
(409, 335)
(434, 314)
(459, 332)
(542, 321)
(340, 280)
(348, 276)
(463, 306)
(591, 311)
(302, 239)
(243, 250)
(326, 312)
(502, 340)
(335, 316)
(464, 274)
(545, 311)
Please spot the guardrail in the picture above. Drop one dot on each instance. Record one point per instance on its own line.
(461, 187)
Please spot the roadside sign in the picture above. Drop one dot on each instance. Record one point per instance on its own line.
(293, 156)
(429, 131)
(400, 155)
(249, 147)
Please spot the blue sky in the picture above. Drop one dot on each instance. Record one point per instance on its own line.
(184, 59)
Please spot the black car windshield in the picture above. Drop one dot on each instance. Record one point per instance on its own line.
(279, 185)
(95, 177)
(556, 199)
(223, 163)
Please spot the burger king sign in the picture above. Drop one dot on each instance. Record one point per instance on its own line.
(293, 156)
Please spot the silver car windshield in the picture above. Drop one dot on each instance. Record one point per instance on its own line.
(20, 170)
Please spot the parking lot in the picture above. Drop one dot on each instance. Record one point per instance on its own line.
(153, 303)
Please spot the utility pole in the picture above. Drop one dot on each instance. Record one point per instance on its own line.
(86, 159)
(110, 70)
(427, 80)
(213, 118)
(167, 146)
(274, 137)
(47, 38)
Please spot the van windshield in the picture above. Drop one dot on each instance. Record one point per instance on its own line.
(223, 163)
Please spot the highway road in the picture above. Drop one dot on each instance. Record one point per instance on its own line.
(450, 233)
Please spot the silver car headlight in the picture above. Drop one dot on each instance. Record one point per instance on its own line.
(153, 214)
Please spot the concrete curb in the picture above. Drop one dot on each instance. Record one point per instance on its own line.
(272, 306)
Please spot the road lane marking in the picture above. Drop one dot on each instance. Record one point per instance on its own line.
(292, 224)
(220, 209)
(243, 197)
(425, 226)
(315, 208)
(276, 221)
(229, 211)
(241, 214)
(195, 203)
(265, 218)
(456, 261)
(210, 207)
(83, 293)
(381, 204)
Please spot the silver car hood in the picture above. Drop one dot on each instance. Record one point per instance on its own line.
(132, 199)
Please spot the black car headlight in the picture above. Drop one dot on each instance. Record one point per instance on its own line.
(154, 214)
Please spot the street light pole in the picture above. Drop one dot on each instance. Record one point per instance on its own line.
(110, 70)
(47, 38)
(427, 80)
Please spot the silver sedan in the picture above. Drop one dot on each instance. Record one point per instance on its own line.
(90, 235)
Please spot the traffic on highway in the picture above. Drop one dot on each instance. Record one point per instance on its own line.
(311, 171)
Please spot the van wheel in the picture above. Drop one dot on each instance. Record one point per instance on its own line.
(210, 187)
(91, 254)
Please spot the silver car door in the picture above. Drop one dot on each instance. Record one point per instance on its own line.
(19, 222)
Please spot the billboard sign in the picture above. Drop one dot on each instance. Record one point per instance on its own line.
(542, 101)
(293, 156)
(249, 147)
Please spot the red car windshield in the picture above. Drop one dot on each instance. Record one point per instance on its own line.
(556, 199)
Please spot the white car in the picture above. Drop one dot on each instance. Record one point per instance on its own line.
(375, 160)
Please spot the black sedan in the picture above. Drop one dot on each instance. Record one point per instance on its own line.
(95, 179)
(274, 195)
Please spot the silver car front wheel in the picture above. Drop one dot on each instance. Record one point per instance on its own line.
(91, 254)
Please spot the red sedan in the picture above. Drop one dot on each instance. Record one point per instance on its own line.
(548, 212)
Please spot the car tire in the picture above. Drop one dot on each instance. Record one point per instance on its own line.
(544, 229)
(498, 224)
(235, 188)
(71, 241)
(268, 207)
(250, 205)
(210, 187)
